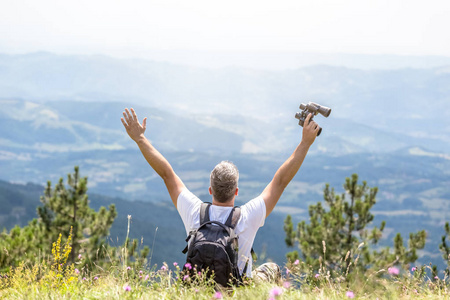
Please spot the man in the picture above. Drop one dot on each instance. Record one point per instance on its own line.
(224, 189)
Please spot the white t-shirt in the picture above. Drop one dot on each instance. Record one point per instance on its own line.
(253, 214)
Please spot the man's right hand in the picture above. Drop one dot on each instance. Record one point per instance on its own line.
(131, 123)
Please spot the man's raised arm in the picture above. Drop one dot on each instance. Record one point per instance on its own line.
(158, 162)
(289, 168)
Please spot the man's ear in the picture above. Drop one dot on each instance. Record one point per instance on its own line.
(237, 191)
(210, 191)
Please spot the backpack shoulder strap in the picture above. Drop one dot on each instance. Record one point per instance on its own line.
(204, 213)
(234, 216)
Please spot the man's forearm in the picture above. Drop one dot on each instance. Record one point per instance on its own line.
(291, 166)
(155, 159)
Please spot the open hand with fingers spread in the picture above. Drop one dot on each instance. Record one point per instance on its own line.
(131, 123)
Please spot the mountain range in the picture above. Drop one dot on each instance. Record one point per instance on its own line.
(389, 126)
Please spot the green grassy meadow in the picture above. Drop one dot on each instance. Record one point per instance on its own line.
(54, 278)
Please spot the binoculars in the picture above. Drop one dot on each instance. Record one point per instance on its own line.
(314, 109)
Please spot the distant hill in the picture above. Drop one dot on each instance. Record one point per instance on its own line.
(408, 102)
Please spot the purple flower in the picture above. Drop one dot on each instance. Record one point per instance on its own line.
(140, 272)
(95, 278)
(317, 275)
(146, 277)
(218, 295)
(393, 271)
(84, 278)
(350, 294)
(185, 277)
(287, 271)
(275, 292)
(77, 271)
(128, 268)
(413, 269)
(296, 262)
(435, 277)
(163, 268)
(188, 266)
(286, 284)
(79, 256)
(175, 264)
(127, 288)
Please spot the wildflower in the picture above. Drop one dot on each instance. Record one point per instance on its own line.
(275, 292)
(317, 275)
(413, 269)
(188, 266)
(95, 278)
(185, 277)
(140, 272)
(196, 290)
(435, 277)
(350, 294)
(393, 271)
(84, 278)
(127, 288)
(128, 268)
(287, 271)
(218, 295)
(296, 262)
(286, 284)
(140, 276)
(175, 264)
(146, 277)
(77, 271)
(79, 256)
(163, 268)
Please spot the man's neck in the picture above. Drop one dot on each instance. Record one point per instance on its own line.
(224, 204)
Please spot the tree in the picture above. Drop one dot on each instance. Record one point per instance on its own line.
(64, 208)
(334, 238)
(445, 248)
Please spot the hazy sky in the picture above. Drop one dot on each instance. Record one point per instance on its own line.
(116, 27)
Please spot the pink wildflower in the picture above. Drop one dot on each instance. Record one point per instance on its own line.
(185, 277)
(218, 295)
(276, 291)
(393, 271)
(84, 278)
(175, 264)
(127, 288)
(435, 277)
(286, 284)
(296, 262)
(146, 277)
(317, 275)
(79, 256)
(128, 268)
(287, 271)
(77, 271)
(413, 269)
(163, 268)
(95, 278)
(350, 294)
(188, 266)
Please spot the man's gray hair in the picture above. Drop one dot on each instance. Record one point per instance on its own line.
(224, 181)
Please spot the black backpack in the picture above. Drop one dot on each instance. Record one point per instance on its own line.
(213, 247)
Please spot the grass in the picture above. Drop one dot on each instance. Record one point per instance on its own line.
(55, 278)
(47, 280)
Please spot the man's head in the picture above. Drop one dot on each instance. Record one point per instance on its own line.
(224, 181)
